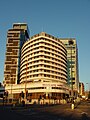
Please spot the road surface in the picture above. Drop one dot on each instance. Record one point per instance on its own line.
(47, 112)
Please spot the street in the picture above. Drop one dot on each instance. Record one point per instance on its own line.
(48, 112)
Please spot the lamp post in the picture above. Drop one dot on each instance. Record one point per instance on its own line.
(26, 81)
(71, 44)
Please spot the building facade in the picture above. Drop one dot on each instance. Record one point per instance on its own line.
(72, 64)
(16, 37)
(81, 89)
(44, 64)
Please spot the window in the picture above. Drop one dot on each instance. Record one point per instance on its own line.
(9, 49)
(44, 75)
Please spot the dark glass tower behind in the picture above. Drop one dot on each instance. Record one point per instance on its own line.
(16, 37)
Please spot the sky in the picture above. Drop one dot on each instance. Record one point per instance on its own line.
(60, 18)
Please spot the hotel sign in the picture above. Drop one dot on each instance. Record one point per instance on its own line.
(56, 85)
(52, 85)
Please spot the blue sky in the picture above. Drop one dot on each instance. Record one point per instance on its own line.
(61, 18)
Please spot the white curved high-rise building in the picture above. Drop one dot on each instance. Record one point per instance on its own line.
(43, 58)
(43, 66)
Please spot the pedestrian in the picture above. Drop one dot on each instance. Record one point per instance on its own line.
(23, 103)
(72, 106)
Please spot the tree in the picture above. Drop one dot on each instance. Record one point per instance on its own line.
(0, 84)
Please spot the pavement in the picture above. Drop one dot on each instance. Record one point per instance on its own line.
(47, 112)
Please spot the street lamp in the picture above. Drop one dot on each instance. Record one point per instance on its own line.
(71, 45)
(26, 80)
